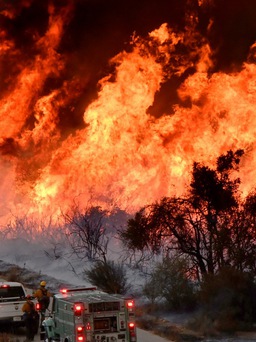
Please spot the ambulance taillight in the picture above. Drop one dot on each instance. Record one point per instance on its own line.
(130, 305)
(132, 332)
(78, 309)
(80, 333)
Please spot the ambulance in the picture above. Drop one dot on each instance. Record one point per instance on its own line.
(90, 315)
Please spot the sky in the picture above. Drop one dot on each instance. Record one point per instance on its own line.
(111, 102)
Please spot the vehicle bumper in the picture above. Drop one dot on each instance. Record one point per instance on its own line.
(13, 321)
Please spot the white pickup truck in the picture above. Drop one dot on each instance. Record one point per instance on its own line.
(12, 298)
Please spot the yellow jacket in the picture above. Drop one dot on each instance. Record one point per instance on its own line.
(40, 293)
(28, 307)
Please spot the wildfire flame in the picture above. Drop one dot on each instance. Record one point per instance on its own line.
(123, 155)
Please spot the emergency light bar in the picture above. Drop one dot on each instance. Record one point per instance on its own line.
(78, 289)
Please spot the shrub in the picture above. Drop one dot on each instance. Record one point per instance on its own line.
(109, 277)
(169, 282)
(228, 299)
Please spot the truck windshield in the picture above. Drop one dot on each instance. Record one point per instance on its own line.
(11, 292)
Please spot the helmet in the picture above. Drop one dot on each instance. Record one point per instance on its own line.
(28, 296)
(43, 283)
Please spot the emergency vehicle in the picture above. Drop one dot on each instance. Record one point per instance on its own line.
(90, 315)
(12, 298)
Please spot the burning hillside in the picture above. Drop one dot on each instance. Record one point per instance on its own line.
(97, 109)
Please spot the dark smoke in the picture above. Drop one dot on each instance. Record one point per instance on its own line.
(99, 29)
(232, 33)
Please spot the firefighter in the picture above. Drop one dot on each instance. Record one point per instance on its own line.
(31, 318)
(43, 297)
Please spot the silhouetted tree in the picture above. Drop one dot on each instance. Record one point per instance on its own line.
(86, 233)
(209, 224)
(242, 250)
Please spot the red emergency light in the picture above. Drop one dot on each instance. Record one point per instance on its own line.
(88, 326)
(4, 286)
(80, 335)
(132, 332)
(63, 291)
(80, 329)
(78, 308)
(130, 304)
(79, 289)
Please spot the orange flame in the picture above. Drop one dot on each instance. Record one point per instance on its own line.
(123, 156)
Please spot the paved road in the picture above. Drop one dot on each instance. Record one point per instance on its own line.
(7, 336)
(142, 336)
(146, 336)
